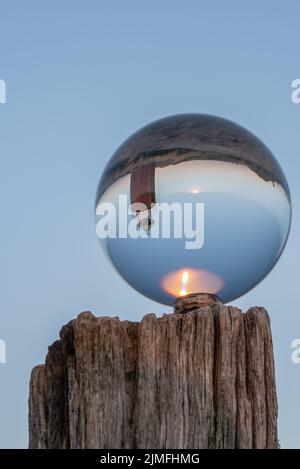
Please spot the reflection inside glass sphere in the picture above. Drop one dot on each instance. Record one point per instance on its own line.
(200, 206)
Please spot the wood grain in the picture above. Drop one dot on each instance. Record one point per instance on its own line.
(203, 379)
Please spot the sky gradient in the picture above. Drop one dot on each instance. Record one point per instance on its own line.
(81, 77)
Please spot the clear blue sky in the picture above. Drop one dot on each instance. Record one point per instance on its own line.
(82, 76)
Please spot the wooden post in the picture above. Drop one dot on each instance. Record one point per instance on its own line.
(203, 379)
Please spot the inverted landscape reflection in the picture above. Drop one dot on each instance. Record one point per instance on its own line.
(246, 225)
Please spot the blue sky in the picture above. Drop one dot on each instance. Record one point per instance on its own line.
(81, 77)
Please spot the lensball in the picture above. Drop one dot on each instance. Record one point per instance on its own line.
(193, 204)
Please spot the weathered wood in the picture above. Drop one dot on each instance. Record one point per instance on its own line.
(204, 379)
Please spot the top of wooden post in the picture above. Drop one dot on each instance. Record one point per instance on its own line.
(187, 303)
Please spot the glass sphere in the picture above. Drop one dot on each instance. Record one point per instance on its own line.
(234, 202)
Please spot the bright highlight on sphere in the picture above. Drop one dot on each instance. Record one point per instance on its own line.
(229, 209)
